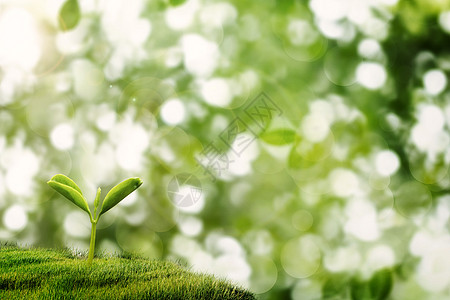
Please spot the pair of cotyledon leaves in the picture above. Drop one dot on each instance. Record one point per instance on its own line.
(69, 189)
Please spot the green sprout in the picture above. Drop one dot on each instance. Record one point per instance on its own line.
(69, 189)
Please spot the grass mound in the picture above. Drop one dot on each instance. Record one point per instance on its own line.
(59, 274)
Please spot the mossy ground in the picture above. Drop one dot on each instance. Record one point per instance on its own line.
(59, 274)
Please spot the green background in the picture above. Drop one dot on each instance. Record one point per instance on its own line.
(311, 138)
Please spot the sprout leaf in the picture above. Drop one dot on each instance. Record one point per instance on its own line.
(119, 192)
(66, 181)
(97, 201)
(70, 193)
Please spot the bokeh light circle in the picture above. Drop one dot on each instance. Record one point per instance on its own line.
(306, 289)
(264, 273)
(387, 163)
(371, 75)
(302, 220)
(173, 111)
(434, 81)
(378, 182)
(301, 257)
(62, 136)
(340, 66)
(412, 198)
(216, 92)
(15, 218)
(425, 171)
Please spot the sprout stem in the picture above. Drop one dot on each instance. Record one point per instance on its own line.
(92, 244)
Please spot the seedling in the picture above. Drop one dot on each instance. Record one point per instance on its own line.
(69, 189)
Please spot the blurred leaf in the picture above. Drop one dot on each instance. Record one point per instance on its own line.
(359, 290)
(119, 192)
(176, 2)
(336, 285)
(381, 284)
(279, 137)
(70, 193)
(378, 288)
(69, 15)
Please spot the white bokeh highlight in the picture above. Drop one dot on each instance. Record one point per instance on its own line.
(369, 48)
(428, 134)
(379, 257)
(371, 75)
(182, 16)
(190, 225)
(173, 111)
(216, 92)
(124, 28)
(444, 21)
(15, 218)
(386, 162)
(62, 136)
(331, 10)
(19, 39)
(200, 55)
(131, 141)
(339, 259)
(122, 23)
(218, 14)
(106, 120)
(433, 272)
(21, 165)
(362, 220)
(434, 81)
(344, 182)
(315, 127)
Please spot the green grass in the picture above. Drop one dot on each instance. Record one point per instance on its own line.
(59, 274)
